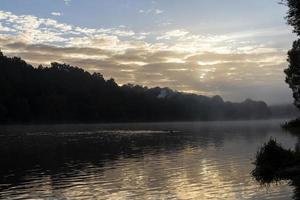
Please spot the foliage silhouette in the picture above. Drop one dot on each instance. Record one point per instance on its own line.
(271, 161)
(293, 14)
(293, 70)
(63, 93)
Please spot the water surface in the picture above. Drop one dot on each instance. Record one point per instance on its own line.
(188, 160)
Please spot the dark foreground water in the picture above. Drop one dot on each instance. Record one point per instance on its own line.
(197, 160)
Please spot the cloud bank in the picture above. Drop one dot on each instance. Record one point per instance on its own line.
(233, 65)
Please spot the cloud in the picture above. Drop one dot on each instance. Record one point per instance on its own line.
(151, 11)
(67, 2)
(170, 34)
(158, 11)
(5, 28)
(180, 59)
(56, 14)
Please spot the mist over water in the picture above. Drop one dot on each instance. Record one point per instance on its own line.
(188, 160)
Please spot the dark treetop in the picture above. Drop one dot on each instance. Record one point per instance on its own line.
(62, 93)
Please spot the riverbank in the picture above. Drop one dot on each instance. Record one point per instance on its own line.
(292, 124)
(274, 163)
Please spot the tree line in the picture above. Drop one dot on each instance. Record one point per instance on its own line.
(62, 93)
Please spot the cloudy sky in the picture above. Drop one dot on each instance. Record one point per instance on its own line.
(233, 48)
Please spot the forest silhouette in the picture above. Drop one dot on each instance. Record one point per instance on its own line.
(62, 93)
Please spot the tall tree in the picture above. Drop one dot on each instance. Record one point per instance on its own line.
(293, 70)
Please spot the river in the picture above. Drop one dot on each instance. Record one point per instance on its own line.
(186, 160)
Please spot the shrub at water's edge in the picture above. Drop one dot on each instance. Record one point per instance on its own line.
(274, 163)
(292, 125)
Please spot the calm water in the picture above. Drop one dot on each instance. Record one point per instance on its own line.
(195, 160)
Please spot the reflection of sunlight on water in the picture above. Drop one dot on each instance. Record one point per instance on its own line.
(156, 177)
(205, 167)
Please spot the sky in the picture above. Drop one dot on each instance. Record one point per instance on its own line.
(233, 48)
